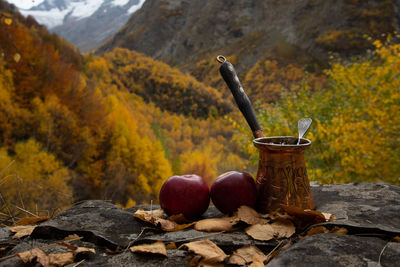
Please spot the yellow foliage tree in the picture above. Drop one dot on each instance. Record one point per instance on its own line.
(34, 179)
(356, 125)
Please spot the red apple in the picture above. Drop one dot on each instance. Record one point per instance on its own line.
(187, 194)
(232, 190)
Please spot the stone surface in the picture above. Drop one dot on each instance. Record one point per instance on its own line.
(229, 241)
(370, 212)
(97, 221)
(339, 250)
(369, 207)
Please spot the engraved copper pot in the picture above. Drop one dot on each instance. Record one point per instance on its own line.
(282, 175)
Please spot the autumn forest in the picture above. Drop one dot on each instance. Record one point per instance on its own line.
(115, 126)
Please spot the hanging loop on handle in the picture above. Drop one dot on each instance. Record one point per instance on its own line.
(228, 73)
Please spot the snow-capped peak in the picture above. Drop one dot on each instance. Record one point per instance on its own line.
(55, 12)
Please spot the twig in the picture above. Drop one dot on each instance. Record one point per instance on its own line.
(196, 237)
(20, 198)
(275, 248)
(79, 263)
(380, 255)
(5, 204)
(30, 213)
(139, 235)
(8, 166)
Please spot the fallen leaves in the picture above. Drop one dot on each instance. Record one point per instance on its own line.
(214, 225)
(8, 21)
(17, 57)
(304, 218)
(155, 217)
(283, 229)
(37, 255)
(248, 215)
(247, 254)
(323, 230)
(32, 220)
(263, 232)
(157, 248)
(22, 230)
(208, 250)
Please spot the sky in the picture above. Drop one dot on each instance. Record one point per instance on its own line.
(25, 4)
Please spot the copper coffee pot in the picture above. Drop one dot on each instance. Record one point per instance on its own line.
(281, 176)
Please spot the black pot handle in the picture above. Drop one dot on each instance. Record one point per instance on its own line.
(242, 100)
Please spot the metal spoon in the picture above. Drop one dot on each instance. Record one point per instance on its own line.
(303, 126)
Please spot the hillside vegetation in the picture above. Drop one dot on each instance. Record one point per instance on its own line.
(287, 36)
(75, 127)
(115, 126)
(356, 119)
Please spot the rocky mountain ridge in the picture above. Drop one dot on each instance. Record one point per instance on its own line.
(87, 24)
(183, 32)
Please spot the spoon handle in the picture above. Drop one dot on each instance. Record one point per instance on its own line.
(242, 100)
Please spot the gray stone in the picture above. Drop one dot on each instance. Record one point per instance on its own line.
(5, 234)
(370, 211)
(339, 250)
(97, 221)
(363, 207)
(229, 241)
(175, 258)
(28, 244)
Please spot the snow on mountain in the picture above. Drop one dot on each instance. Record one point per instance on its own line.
(86, 23)
(52, 13)
(25, 4)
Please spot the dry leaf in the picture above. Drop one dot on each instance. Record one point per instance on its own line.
(22, 230)
(154, 218)
(283, 229)
(247, 254)
(35, 254)
(194, 262)
(61, 259)
(338, 230)
(317, 230)
(158, 213)
(204, 263)
(32, 220)
(71, 247)
(277, 216)
(214, 224)
(248, 215)
(72, 237)
(178, 218)
(8, 21)
(256, 264)
(113, 252)
(57, 259)
(304, 218)
(157, 248)
(329, 216)
(396, 239)
(83, 250)
(17, 57)
(207, 249)
(324, 230)
(171, 245)
(262, 232)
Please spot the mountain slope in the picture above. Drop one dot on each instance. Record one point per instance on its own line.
(88, 23)
(77, 125)
(190, 34)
